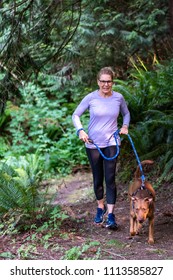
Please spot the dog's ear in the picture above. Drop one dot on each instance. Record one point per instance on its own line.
(149, 199)
(134, 198)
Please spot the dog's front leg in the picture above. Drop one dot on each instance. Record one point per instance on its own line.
(132, 225)
(132, 219)
(151, 231)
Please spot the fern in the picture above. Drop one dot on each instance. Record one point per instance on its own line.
(19, 184)
(167, 167)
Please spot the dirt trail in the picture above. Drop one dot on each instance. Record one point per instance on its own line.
(77, 196)
(79, 238)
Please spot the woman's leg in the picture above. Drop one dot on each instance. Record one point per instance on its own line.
(110, 170)
(111, 190)
(96, 162)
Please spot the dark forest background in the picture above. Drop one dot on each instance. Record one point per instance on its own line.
(50, 53)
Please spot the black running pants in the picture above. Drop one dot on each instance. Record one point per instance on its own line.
(103, 170)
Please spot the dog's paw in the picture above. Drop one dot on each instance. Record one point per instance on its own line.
(132, 233)
(151, 241)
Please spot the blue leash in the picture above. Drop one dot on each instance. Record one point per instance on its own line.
(118, 150)
(137, 158)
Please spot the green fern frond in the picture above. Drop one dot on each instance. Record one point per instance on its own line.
(167, 166)
(19, 186)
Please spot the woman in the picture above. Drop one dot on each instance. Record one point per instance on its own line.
(104, 106)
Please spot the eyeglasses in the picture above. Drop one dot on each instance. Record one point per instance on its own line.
(104, 82)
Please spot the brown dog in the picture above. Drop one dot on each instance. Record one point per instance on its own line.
(142, 200)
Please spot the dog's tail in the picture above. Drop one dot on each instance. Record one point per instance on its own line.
(144, 162)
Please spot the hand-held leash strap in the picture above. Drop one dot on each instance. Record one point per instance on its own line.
(118, 150)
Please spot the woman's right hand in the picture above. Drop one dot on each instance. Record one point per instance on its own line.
(83, 136)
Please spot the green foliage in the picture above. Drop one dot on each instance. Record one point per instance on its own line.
(3, 146)
(46, 223)
(116, 243)
(166, 164)
(7, 255)
(26, 251)
(149, 96)
(51, 37)
(42, 125)
(53, 219)
(73, 254)
(78, 252)
(19, 182)
(49, 57)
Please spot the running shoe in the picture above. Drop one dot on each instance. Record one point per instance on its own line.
(100, 215)
(111, 223)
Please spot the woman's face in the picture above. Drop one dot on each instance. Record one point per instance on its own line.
(105, 84)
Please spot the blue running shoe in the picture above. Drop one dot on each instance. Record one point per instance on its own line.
(111, 223)
(100, 215)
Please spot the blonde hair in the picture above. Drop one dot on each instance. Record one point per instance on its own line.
(106, 70)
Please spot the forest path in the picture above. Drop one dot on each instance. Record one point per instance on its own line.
(76, 196)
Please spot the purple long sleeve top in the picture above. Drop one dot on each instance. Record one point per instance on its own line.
(104, 114)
